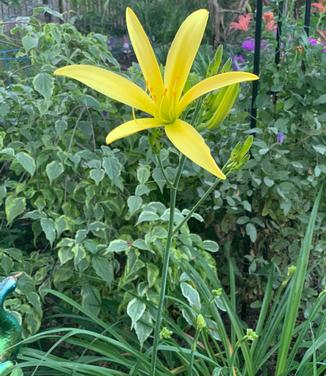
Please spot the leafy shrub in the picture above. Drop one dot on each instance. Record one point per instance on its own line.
(80, 211)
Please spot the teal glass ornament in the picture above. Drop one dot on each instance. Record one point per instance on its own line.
(10, 328)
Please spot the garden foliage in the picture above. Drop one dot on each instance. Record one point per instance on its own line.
(91, 221)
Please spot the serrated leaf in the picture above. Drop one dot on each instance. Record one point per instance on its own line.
(27, 162)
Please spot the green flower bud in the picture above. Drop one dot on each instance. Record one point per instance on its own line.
(165, 333)
(217, 292)
(291, 270)
(251, 335)
(222, 105)
(215, 63)
(200, 322)
(239, 156)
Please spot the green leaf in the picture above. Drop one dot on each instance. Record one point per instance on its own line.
(321, 149)
(143, 174)
(113, 169)
(263, 151)
(60, 127)
(320, 100)
(141, 244)
(293, 301)
(118, 245)
(61, 224)
(135, 310)
(147, 216)
(14, 207)
(153, 273)
(247, 206)
(210, 246)
(103, 268)
(97, 175)
(134, 203)
(191, 295)
(44, 84)
(27, 162)
(81, 259)
(251, 231)
(144, 327)
(53, 170)
(91, 299)
(268, 182)
(3, 192)
(29, 42)
(141, 190)
(65, 254)
(81, 235)
(48, 228)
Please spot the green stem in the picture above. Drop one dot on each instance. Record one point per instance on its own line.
(163, 171)
(166, 258)
(199, 202)
(193, 349)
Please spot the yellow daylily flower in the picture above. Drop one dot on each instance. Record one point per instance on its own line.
(163, 99)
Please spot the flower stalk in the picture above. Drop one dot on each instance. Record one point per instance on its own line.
(166, 258)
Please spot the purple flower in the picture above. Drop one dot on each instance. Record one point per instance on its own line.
(249, 44)
(237, 60)
(313, 41)
(280, 137)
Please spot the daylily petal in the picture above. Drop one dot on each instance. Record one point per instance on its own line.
(131, 127)
(110, 84)
(213, 83)
(190, 143)
(182, 53)
(145, 55)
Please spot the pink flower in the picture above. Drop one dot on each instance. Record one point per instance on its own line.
(243, 23)
(270, 24)
(319, 7)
